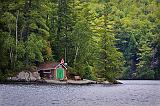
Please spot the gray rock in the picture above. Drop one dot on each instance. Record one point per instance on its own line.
(28, 76)
(14, 78)
(36, 75)
(31, 77)
(21, 75)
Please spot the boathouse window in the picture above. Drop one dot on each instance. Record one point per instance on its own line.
(47, 71)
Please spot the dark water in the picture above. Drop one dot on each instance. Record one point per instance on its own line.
(131, 93)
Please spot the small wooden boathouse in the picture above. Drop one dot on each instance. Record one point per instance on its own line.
(53, 70)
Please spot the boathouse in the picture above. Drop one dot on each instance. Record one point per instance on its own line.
(53, 70)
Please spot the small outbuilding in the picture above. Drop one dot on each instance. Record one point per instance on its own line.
(53, 70)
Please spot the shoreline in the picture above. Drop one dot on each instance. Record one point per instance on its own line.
(56, 82)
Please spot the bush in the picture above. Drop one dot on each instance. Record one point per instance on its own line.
(89, 73)
(157, 74)
(125, 74)
(2, 76)
(85, 72)
(71, 72)
(146, 74)
(19, 66)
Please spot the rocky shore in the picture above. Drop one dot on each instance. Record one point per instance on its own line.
(26, 77)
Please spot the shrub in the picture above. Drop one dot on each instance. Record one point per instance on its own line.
(145, 74)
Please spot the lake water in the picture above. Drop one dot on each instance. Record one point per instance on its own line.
(131, 93)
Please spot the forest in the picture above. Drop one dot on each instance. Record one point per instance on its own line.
(109, 39)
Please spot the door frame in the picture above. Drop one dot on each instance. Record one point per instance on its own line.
(57, 72)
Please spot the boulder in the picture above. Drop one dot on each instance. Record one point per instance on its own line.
(22, 76)
(14, 78)
(36, 75)
(28, 76)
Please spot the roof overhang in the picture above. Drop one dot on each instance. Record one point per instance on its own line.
(46, 69)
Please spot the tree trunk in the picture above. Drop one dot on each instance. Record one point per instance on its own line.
(16, 34)
(104, 43)
(11, 57)
(75, 58)
(10, 52)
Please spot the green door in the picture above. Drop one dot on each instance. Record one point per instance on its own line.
(60, 73)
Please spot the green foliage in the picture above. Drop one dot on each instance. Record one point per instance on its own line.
(34, 47)
(8, 19)
(21, 50)
(125, 74)
(97, 38)
(136, 37)
(3, 54)
(145, 74)
(89, 73)
(2, 77)
(19, 66)
(110, 60)
(24, 34)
